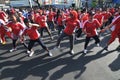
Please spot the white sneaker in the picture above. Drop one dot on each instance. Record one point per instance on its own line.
(51, 37)
(28, 51)
(31, 53)
(59, 46)
(72, 52)
(1, 41)
(85, 51)
(98, 45)
(55, 48)
(77, 38)
(13, 49)
(50, 54)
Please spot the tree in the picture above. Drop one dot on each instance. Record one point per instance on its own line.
(94, 3)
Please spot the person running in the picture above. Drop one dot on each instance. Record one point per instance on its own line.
(50, 20)
(16, 30)
(34, 36)
(2, 31)
(98, 15)
(82, 17)
(89, 28)
(71, 23)
(3, 16)
(60, 23)
(42, 21)
(115, 33)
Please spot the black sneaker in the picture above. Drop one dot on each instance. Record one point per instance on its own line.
(72, 52)
(51, 38)
(118, 48)
(106, 48)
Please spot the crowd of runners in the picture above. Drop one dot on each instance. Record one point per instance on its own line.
(16, 24)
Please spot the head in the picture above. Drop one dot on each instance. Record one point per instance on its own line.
(74, 14)
(31, 16)
(26, 21)
(13, 18)
(98, 10)
(84, 10)
(40, 12)
(20, 14)
(91, 16)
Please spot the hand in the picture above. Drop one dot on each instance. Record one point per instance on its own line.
(103, 30)
(89, 34)
(9, 29)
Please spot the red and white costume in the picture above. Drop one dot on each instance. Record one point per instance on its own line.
(90, 27)
(17, 28)
(32, 32)
(116, 32)
(2, 31)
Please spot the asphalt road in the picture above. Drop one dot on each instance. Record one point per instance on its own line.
(97, 64)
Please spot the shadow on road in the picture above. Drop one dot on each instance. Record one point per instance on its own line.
(40, 66)
(115, 65)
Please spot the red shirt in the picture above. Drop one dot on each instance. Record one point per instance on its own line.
(2, 15)
(71, 25)
(84, 17)
(35, 16)
(16, 27)
(116, 22)
(41, 20)
(99, 17)
(90, 27)
(32, 33)
(106, 15)
(2, 29)
(112, 11)
(51, 16)
(60, 20)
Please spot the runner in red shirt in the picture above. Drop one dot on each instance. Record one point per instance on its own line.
(98, 15)
(71, 24)
(60, 22)
(21, 17)
(115, 33)
(50, 20)
(3, 16)
(42, 21)
(106, 15)
(2, 31)
(34, 36)
(82, 18)
(89, 28)
(16, 28)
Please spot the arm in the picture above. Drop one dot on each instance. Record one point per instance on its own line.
(31, 24)
(106, 28)
(116, 21)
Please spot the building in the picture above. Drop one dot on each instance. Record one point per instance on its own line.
(22, 3)
(4, 3)
(77, 3)
(26, 3)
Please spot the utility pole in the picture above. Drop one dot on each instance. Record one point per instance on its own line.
(37, 1)
(30, 3)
